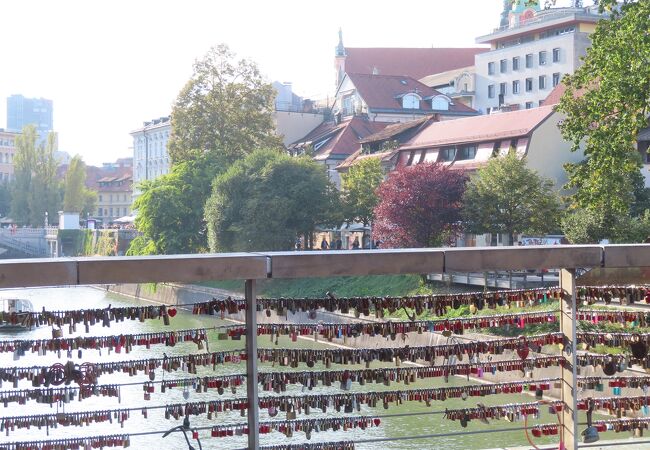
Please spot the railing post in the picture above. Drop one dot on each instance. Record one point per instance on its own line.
(569, 429)
(251, 366)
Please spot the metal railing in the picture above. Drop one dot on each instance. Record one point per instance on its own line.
(253, 266)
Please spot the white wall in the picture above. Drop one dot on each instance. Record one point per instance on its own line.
(548, 151)
(571, 45)
(293, 126)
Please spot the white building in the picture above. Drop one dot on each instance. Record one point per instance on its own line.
(529, 55)
(7, 150)
(150, 157)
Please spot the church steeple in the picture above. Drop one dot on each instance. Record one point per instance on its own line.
(340, 49)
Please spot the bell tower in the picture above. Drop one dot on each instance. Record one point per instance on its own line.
(339, 59)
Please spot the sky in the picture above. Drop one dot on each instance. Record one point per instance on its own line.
(109, 66)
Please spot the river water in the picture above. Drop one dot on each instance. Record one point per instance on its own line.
(87, 297)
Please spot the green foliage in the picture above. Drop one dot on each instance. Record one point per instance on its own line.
(141, 246)
(225, 109)
(77, 198)
(606, 103)
(507, 197)
(359, 190)
(5, 198)
(267, 199)
(106, 243)
(76, 242)
(35, 188)
(170, 209)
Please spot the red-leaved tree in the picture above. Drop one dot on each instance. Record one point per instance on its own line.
(419, 206)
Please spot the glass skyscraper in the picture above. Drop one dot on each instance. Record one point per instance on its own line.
(23, 111)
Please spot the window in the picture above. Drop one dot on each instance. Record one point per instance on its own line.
(105, 212)
(491, 68)
(502, 88)
(466, 152)
(111, 211)
(124, 199)
(529, 84)
(515, 63)
(556, 79)
(529, 61)
(515, 87)
(100, 197)
(529, 105)
(124, 211)
(99, 212)
(556, 55)
(503, 65)
(491, 91)
(542, 82)
(542, 57)
(447, 154)
(411, 101)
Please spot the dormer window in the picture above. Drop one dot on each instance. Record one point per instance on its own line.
(440, 102)
(411, 101)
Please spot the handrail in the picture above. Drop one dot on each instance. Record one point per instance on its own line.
(203, 267)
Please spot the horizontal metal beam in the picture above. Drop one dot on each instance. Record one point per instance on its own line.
(521, 258)
(180, 268)
(637, 255)
(355, 262)
(203, 267)
(38, 272)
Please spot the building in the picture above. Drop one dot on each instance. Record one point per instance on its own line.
(529, 54)
(23, 111)
(150, 157)
(331, 143)
(114, 193)
(457, 84)
(7, 151)
(416, 63)
(393, 98)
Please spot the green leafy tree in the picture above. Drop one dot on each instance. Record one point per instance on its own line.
(359, 190)
(170, 209)
(607, 101)
(266, 200)
(76, 197)
(35, 189)
(225, 108)
(507, 197)
(5, 198)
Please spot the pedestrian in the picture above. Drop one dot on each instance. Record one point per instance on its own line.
(377, 243)
(323, 244)
(339, 244)
(355, 243)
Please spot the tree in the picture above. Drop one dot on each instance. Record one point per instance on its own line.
(419, 206)
(266, 200)
(76, 197)
(359, 190)
(5, 198)
(170, 209)
(35, 188)
(507, 197)
(607, 101)
(225, 108)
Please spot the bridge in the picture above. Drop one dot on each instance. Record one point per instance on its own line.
(25, 242)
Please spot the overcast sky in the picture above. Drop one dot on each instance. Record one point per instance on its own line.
(110, 65)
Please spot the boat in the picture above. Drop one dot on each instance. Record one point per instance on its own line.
(15, 313)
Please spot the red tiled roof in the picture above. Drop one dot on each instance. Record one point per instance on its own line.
(384, 91)
(554, 97)
(480, 128)
(343, 139)
(413, 62)
(395, 129)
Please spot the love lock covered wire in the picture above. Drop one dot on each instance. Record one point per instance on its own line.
(559, 424)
